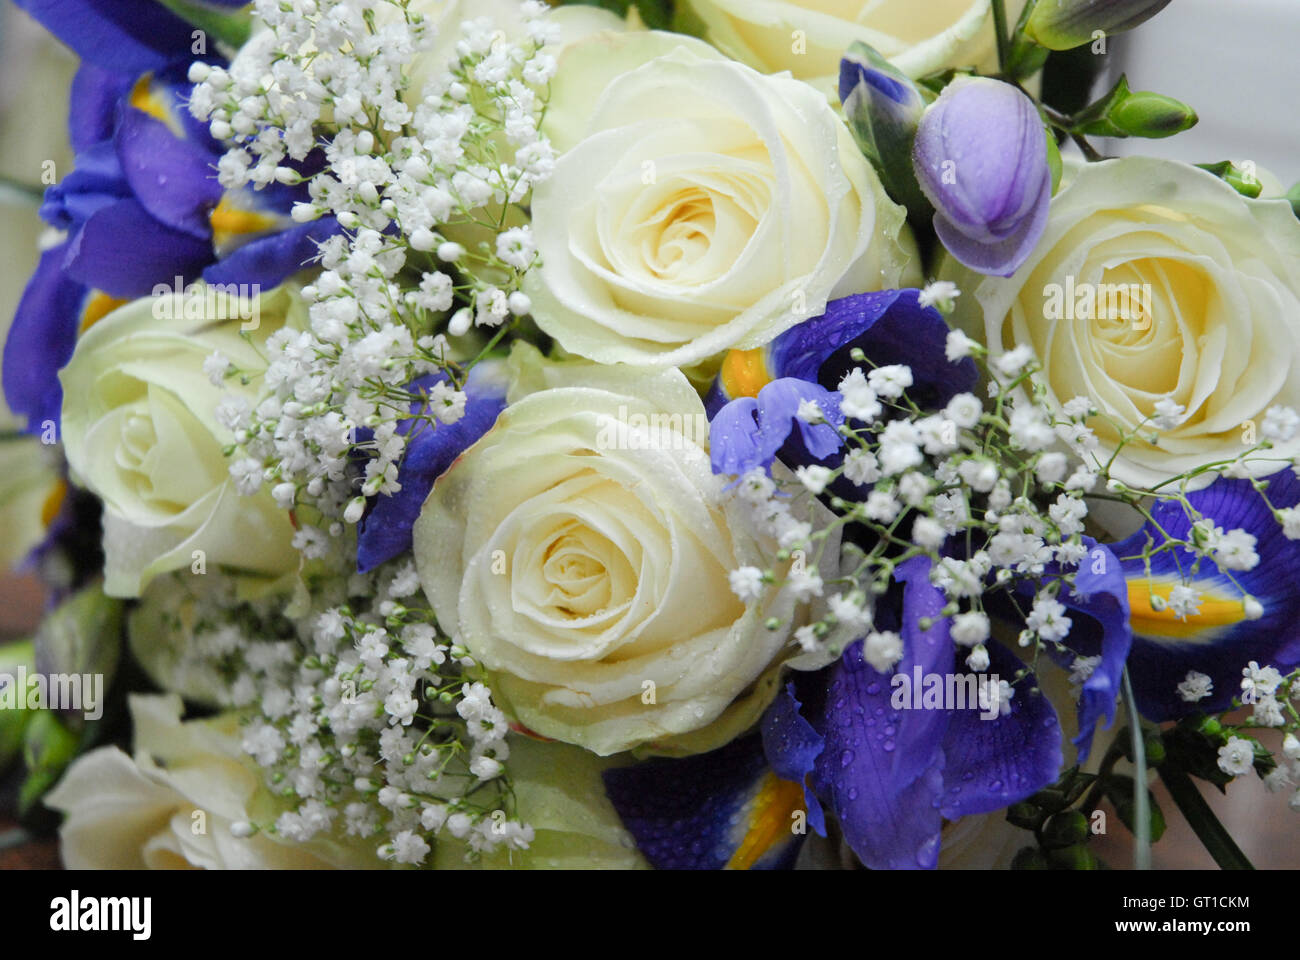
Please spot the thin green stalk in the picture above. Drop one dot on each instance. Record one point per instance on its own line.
(1141, 799)
(1004, 37)
(17, 193)
(1212, 834)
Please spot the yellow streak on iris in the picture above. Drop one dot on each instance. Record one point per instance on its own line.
(769, 820)
(54, 502)
(229, 222)
(1215, 611)
(744, 373)
(98, 306)
(145, 98)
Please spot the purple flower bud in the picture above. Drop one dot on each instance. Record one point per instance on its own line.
(981, 159)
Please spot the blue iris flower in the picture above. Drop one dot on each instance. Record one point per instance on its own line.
(142, 207)
(385, 532)
(754, 401)
(1225, 633)
(843, 739)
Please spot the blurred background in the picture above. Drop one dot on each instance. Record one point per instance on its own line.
(1234, 61)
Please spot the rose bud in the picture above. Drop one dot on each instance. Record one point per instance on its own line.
(981, 159)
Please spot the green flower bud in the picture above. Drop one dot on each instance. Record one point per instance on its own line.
(48, 747)
(1240, 178)
(1030, 858)
(13, 722)
(1065, 829)
(1077, 857)
(1124, 113)
(1065, 24)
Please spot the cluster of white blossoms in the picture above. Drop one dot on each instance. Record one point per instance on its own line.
(1272, 696)
(357, 707)
(367, 712)
(425, 186)
(1007, 483)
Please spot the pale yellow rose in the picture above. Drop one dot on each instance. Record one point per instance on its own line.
(569, 24)
(808, 37)
(140, 430)
(174, 804)
(698, 206)
(31, 492)
(1209, 282)
(581, 551)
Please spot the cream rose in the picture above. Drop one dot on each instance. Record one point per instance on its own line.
(174, 804)
(141, 430)
(581, 551)
(567, 23)
(808, 37)
(1210, 284)
(698, 205)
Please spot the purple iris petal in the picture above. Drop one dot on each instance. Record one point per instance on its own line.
(890, 821)
(41, 340)
(689, 813)
(1158, 665)
(1098, 610)
(173, 179)
(792, 747)
(749, 432)
(96, 182)
(385, 532)
(995, 762)
(92, 107)
(271, 259)
(883, 770)
(157, 252)
(129, 36)
(890, 326)
(981, 159)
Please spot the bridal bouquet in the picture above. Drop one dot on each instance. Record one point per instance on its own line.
(479, 433)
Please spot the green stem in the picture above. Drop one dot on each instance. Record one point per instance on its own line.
(20, 194)
(1004, 38)
(1206, 825)
(1141, 799)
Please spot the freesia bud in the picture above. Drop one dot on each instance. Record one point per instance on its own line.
(883, 108)
(981, 159)
(1125, 113)
(1066, 24)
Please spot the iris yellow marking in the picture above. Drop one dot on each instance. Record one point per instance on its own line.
(744, 373)
(229, 222)
(145, 98)
(770, 818)
(98, 306)
(1216, 610)
(54, 502)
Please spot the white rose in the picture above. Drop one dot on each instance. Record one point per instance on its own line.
(174, 804)
(1210, 282)
(581, 552)
(31, 493)
(140, 430)
(808, 37)
(698, 205)
(447, 17)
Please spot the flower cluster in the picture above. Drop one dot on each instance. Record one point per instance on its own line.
(424, 185)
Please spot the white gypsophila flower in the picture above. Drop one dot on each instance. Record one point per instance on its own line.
(1236, 757)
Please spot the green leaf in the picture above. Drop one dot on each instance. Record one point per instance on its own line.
(230, 27)
(656, 14)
